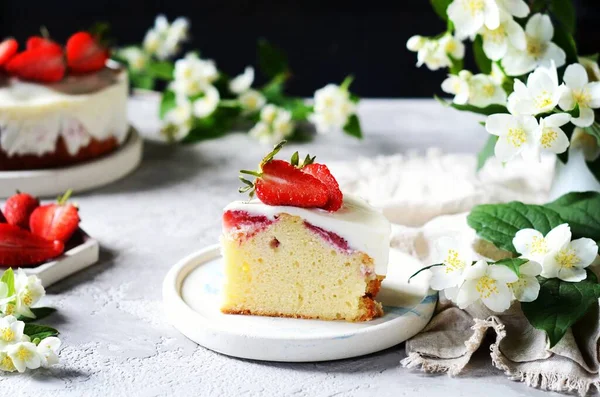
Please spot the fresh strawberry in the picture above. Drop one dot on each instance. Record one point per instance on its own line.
(84, 54)
(55, 221)
(20, 248)
(18, 209)
(322, 173)
(8, 49)
(38, 41)
(44, 64)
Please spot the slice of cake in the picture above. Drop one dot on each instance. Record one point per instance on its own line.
(57, 108)
(301, 249)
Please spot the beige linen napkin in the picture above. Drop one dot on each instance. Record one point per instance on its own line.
(414, 189)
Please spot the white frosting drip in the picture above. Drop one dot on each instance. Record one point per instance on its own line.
(362, 226)
(33, 116)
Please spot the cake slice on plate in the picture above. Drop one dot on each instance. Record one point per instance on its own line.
(300, 248)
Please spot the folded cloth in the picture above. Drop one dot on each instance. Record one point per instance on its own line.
(519, 350)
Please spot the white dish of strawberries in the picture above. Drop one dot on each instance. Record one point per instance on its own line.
(44, 239)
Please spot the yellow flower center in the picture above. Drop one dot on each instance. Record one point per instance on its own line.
(538, 246)
(7, 364)
(450, 46)
(548, 138)
(474, 6)
(453, 262)
(496, 36)
(10, 309)
(7, 335)
(486, 286)
(489, 89)
(543, 100)
(23, 354)
(535, 48)
(582, 97)
(27, 298)
(516, 137)
(567, 258)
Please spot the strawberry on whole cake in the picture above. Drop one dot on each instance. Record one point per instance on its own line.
(59, 106)
(301, 248)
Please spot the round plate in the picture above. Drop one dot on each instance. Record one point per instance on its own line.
(79, 177)
(191, 294)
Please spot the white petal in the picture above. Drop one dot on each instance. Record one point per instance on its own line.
(550, 266)
(540, 27)
(491, 14)
(516, 35)
(594, 90)
(585, 119)
(243, 82)
(466, 23)
(558, 237)
(206, 105)
(554, 53)
(415, 43)
(500, 300)
(476, 271)
(572, 275)
(523, 240)
(52, 343)
(451, 293)
(467, 294)
(502, 273)
(530, 268)
(554, 140)
(498, 124)
(495, 50)
(505, 151)
(575, 76)
(567, 101)
(517, 63)
(557, 119)
(518, 8)
(526, 289)
(443, 277)
(586, 250)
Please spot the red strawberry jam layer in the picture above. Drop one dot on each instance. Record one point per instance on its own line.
(245, 222)
(332, 238)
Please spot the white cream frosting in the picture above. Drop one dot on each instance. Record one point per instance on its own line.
(362, 226)
(33, 115)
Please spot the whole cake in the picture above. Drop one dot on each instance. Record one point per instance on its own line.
(301, 249)
(59, 106)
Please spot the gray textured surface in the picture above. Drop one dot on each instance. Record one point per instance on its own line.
(116, 341)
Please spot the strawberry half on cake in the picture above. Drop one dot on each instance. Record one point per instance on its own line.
(301, 248)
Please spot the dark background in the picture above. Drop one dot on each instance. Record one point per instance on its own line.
(325, 40)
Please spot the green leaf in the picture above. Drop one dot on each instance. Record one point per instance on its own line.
(162, 70)
(565, 40)
(299, 109)
(272, 60)
(581, 211)
(456, 65)
(564, 11)
(483, 62)
(8, 277)
(594, 130)
(441, 7)
(492, 109)
(352, 127)
(561, 304)
(39, 331)
(513, 264)
(273, 90)
(167, 103)
(39, 313)
(215, 126)
(498, 223)
(140, 80)
(487, 151)
(347, 82)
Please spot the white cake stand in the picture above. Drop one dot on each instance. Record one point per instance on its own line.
(79, 177)
(191, 295)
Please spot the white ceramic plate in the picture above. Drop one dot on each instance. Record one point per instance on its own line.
(191, 294)
(72, 261)
(79, 177)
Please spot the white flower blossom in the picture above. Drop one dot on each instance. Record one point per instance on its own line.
(488, 283)
(243, 82)
(469, 16)
(541, 94)
(252, 101)
(540, 50)
(135, 58)
(496, 41)
(517, 135)
(459, 86)
(517, 8)
(527, 287)
(332, 108)
(179, 119)
(454, 258)
(48, 351)
(24, 355)
(560, 257)
(268, 113)
(579, 91)
(480, 90)
(11, 331)
(6, 363)
(152, 42)
(436, 53)
(275, 125)
(29, 291)
(193, 74)
(164, 39)
(283, 126)
(208, 103)
(552, 138)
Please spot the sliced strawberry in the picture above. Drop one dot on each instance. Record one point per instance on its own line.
(38, 41)
(2, 218)
(84, 54)
(44, 64)
(283, 184)
(8, 49)
(55, 221)
(20, 248)
(18, 209)
(322, 173)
